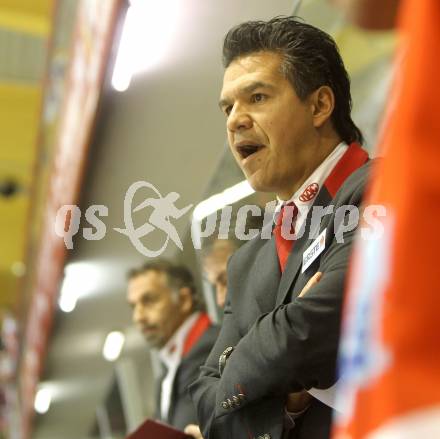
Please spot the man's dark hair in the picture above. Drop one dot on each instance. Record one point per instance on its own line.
(178, 277)
(311, 59)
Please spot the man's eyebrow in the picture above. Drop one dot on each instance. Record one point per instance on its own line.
(254, 85)
(141, 296)
(146, 293)
(246, 90)
(223, 103)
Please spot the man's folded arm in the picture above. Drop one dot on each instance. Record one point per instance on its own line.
(292, 348)
(295, 346)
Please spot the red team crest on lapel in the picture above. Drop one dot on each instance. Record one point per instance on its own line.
(309, 192)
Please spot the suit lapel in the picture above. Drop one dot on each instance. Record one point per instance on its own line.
(173, 397)
(294, 262)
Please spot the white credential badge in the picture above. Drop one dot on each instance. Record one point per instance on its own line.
(313, 251)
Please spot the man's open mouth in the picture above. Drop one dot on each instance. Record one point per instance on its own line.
(247, 150)
(148, 329)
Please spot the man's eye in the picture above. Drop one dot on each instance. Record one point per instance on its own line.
(258, 97)
(228, 110)
(147, 300)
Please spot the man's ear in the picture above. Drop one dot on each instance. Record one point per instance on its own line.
(322, 104)
(186, 299)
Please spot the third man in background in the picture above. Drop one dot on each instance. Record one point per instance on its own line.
(167, 312)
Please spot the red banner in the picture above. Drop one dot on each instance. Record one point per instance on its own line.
(93, 35)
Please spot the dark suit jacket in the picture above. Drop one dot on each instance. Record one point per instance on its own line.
(182, 411)
(282, 343)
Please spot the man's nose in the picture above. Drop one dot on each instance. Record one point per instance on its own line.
(138, 315)
(238, 119)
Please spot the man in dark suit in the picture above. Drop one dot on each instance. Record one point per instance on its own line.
(166, 311)
(286, 98)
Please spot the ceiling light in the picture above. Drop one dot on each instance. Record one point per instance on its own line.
(146, 36)
(123, 70)
(42, 400)
(67, 303)
(80, 279)
(113, 345)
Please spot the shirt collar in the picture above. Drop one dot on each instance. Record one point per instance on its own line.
(302, 198)
(171, 353)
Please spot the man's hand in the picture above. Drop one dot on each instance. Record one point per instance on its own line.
(194, 431)
(298, 401)
(312, 282)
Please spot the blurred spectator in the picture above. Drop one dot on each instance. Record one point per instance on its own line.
(215, 262)
(167, 312)
(370, 14)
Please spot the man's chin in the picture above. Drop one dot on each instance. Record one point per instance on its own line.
(256, 184)
(153, 342)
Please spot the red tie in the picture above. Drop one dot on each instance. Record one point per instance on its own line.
(286, 221)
